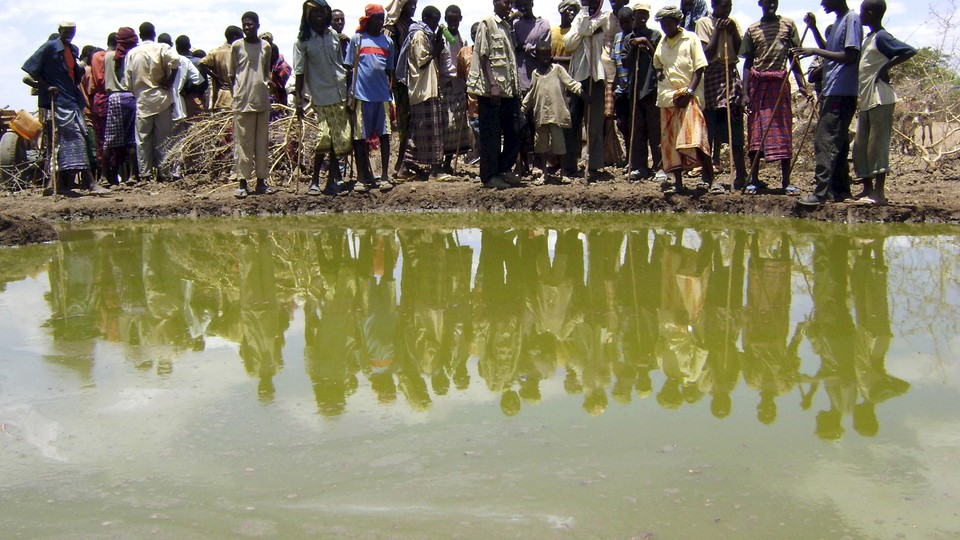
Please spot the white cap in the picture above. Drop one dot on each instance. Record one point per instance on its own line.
(68, 24)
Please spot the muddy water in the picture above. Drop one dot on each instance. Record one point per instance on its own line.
(481, 377)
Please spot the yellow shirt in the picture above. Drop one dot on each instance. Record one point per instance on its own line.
(679, 57)
(422, 80)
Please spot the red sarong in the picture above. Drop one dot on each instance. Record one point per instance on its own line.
(764, 88)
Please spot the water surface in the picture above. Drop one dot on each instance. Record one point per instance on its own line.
(506, 376)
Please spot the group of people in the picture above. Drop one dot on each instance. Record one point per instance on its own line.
(527, 97)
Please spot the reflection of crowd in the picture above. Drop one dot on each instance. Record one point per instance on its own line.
(678, 314)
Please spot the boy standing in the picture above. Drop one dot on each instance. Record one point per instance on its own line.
(644, 129)
(838, 103)
(871, 148)
(680, 63)
(765, 49)
(249, 75)
(547, 102)
(371, 55)
(722, 87)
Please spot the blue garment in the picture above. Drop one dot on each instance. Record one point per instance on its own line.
(48, 63)
(623, 72)
(376, 56)
(890, 46)
(841, 79)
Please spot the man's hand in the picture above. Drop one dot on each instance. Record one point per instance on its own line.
(724, 25)
(810, 20)
(803, 52)
(681, 98)
(298, 100)
(642, 43)
(884, 74)
(52, 90)
(495, 93)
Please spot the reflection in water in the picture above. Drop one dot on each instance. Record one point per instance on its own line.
(677, 314)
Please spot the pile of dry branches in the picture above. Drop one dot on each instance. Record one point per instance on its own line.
(206, 146)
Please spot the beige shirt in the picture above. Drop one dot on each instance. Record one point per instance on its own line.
(250, 71)
(110, 81)
(217, 62)
(679, 58)
(547, 97)
(423, 75)
(495, 42)
(705, 29)
(586, 46)
(609, 36)
(146, 67)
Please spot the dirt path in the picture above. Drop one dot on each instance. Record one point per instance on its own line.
(915, 196)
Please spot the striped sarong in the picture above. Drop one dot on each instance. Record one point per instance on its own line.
(683, 132)
(764, 88)
(98, 116)
(427, 137)
(121, 127)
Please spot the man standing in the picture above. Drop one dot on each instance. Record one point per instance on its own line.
(418, 66)
(453, 91)
(193, 92)
(250, 75)
(338, 21)
(149, 71)
(216, 66)
(586, 39)
(318, 66)
(57, 70)
(644, 129)
(838, 103)
(494, 80)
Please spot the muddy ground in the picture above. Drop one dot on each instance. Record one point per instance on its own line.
(915, 195)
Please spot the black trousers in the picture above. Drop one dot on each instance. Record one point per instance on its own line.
(831, 145)
(499, 135)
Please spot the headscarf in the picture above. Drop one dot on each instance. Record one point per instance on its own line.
(267, 36)
(417, 26)
(565, 4)
(697, 12)
(393, 9)
(308, 6)
(126, 40)
(669, 12)
(369, 11)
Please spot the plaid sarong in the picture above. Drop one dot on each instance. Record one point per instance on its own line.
(121, 128)
(455, 108)
(426, 146)
(715, 87)
(683, 132)
(71, 140)
(764, 88)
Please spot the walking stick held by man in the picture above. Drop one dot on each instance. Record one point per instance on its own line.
(726, 89)
(54, 165)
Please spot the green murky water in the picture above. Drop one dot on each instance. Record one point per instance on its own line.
(481, 377)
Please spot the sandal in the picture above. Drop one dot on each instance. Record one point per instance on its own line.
(717, 189)
(670, 190)
(263, 189)
(240, 193)
(791, 190)
(703, 185)
(313, 190)
(751, 189)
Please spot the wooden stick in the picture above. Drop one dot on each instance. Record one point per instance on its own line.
(54, 162)
(633, 115)
(803, 139)
(726, 75)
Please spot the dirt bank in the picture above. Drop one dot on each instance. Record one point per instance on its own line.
(915, 196)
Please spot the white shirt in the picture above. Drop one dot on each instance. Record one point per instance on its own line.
(587, 45)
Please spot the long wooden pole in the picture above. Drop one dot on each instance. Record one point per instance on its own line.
(633, 113)
(726, 75)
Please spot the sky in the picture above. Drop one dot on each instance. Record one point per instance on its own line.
(27, 26)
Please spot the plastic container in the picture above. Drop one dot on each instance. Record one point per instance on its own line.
(25, 125)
